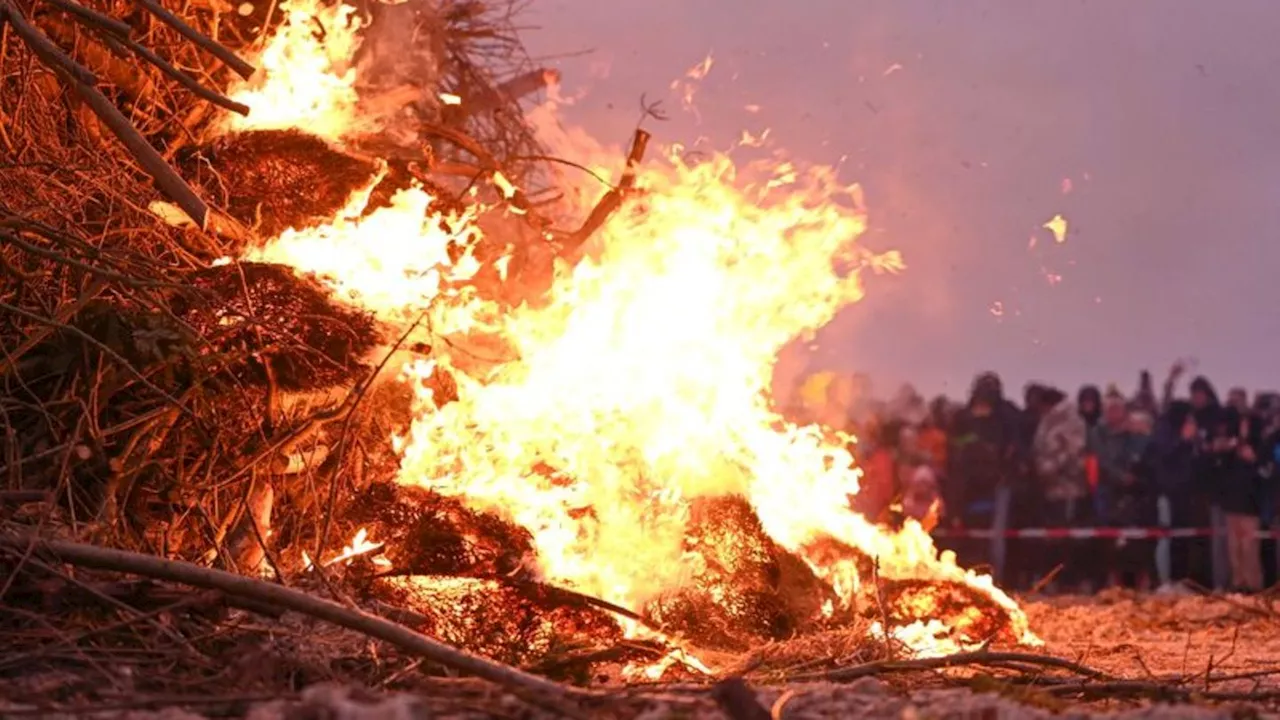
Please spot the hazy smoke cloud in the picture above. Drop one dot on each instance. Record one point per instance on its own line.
(962, 121)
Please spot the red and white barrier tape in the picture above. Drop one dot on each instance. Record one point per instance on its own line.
(1086, 533)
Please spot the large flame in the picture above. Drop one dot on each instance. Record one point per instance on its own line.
(306, 77)
(641, 383)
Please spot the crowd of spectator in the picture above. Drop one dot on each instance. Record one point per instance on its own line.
(1088, 459)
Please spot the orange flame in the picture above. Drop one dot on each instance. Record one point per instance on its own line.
(305, 78)
(642, 382)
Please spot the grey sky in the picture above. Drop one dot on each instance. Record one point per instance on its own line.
(1162, 113)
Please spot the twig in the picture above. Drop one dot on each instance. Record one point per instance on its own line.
(105, 349)
(38, 335)
(884, 612)
(1043, 582)
(153, 702)
(22, 497)
(574, 596)
(510, 92)
(93, 18)
(531, 687)
(977, 657)
(168, 180)
(182, 78)
(233, 61)
(353, 399)
(1155, 691)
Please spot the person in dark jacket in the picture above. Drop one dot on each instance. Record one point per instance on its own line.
(984, 463)
(1145, 399)
(1171, 458)
(1089, 403)
(1269, 485)
(1209, 482)
(1233, 453)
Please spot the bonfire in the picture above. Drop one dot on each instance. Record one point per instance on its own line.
(350, 349)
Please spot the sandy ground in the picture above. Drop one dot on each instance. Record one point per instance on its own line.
(1140, 636)
(1143, 638)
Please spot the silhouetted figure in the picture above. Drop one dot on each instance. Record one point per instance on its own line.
(985, 463)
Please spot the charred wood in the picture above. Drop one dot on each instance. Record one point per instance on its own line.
(273, 180)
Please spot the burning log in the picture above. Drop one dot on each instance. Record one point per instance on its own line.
(748, 589)
(430, 534)
(267, 324)
(510, 623)
(273, 180)
(971, 616)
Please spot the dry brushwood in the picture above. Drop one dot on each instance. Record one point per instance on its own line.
(266, 324)
(84, 84)
(748, 591)
(257, 175)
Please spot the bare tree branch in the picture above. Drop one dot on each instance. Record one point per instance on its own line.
(233, 61)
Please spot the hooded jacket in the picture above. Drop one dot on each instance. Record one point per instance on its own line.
(985, 450)
(1123, 481)
(1090, 392)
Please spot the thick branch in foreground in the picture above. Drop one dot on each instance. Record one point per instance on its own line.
(166, 178)
(91, 556)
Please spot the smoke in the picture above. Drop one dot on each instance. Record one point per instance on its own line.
(962, 122)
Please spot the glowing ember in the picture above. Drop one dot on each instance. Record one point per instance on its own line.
(641, 383)
(360, 545)
(1058, 226)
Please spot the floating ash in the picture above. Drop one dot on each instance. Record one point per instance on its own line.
(272, 180)
(257, 316)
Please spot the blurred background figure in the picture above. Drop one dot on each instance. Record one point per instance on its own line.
(1213, 570)
(984, 464)
(1123, 485)
(1171, 456)
(1237, 439)
(1058, 451)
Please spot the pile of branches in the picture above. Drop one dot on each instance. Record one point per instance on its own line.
(129, 402)
(180, 410)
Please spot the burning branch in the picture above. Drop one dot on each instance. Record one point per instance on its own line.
(612, 200)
